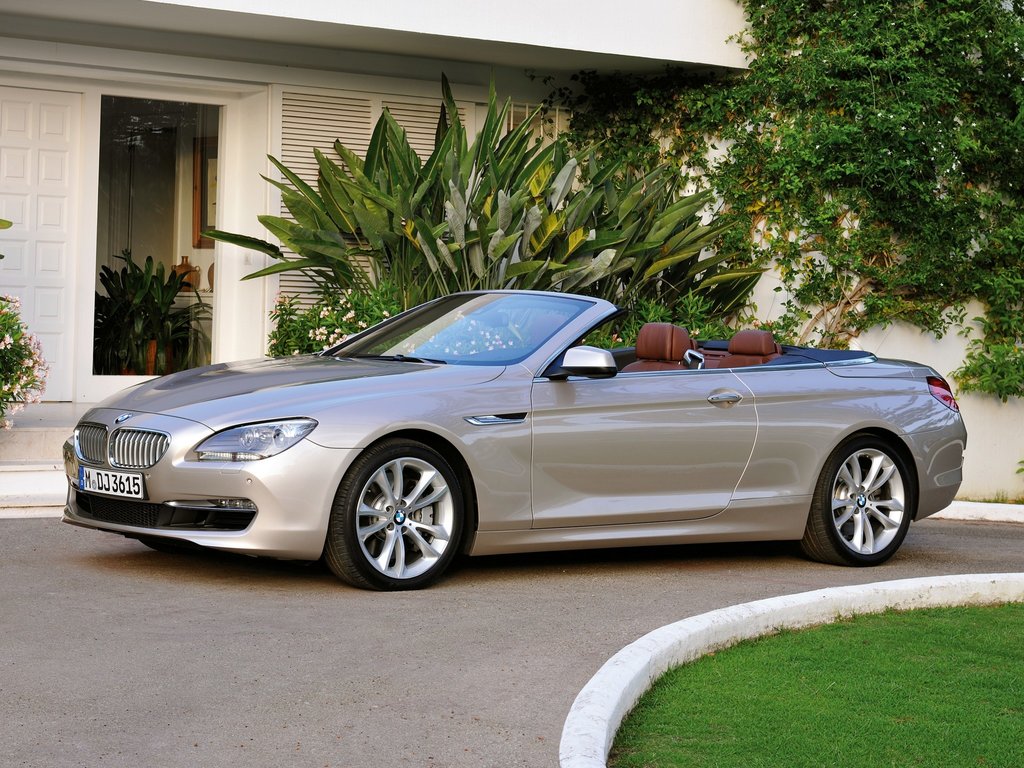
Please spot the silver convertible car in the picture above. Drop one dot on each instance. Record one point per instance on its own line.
(483, 423)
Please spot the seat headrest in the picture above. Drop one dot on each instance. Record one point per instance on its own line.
(662, 341)
(753, 342)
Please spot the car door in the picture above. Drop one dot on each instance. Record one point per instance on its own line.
(639, 447)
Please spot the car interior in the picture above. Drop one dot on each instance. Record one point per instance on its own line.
(668, 347)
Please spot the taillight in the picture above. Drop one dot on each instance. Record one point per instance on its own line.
(940, 391)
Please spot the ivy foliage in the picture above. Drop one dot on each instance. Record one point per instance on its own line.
(873, 151)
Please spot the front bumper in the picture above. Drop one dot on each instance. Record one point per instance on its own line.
(278, 507)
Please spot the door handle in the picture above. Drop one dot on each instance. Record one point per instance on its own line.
(725, 399)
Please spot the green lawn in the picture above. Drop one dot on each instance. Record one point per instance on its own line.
(930, 688)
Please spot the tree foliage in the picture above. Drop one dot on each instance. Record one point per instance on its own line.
(874, 154)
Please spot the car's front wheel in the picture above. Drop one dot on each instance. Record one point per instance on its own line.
(862, 505)
(397, 518)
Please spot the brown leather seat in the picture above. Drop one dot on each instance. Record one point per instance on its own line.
(750, 347)
(660, 347)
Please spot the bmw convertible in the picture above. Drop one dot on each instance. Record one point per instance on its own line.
(484, 423)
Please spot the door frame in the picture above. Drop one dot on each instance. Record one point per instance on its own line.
(90, 387)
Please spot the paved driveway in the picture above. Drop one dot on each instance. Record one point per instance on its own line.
(114, 655)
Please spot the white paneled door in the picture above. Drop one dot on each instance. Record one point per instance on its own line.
(38, 184)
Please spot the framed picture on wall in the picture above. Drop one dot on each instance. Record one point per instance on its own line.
(204, 191)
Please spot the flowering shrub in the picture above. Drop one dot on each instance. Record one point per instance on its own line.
(332, 319)
(22, 368)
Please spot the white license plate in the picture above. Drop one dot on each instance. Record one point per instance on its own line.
(126, 484)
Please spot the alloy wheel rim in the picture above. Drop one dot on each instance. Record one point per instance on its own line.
(868, 501)
(405, 518)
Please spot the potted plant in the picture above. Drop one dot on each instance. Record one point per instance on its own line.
(138, 329)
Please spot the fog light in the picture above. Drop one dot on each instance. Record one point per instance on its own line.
(234, 504)
(238, 505)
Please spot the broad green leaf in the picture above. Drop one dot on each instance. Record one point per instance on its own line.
(577, 238)
(589, 271)
(562, 184)
(549, 226)
(475, 257)
(532, 220)
(523, 268)
(300, 186)
(244, 241)
(500, 243)
(540, 180)
(735, 274)
(288, 265)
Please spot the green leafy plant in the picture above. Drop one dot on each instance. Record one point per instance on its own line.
(332, 319)
(871, 152)
(23, 370)
(500, 211)
(138, 328)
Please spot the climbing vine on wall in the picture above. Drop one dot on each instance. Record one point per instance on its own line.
(873, 151)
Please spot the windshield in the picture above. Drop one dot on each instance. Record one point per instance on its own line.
(469, 329)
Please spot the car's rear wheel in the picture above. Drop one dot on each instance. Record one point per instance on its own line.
(862, 505)
(397, 518)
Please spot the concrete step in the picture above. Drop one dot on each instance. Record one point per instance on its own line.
(32, 481)
(39, 431)
(31, 488)
(39, 444)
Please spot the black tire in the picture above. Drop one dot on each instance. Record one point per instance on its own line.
(862, 505)
(381, 539)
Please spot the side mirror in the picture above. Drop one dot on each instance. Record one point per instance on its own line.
(591, 362)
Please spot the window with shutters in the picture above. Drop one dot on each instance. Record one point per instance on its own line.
(315, 120)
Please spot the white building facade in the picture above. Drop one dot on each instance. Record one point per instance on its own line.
(136, 124)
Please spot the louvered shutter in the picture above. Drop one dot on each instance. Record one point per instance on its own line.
(314, 120)
(419, 119)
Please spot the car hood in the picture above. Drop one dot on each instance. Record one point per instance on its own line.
(296, 386)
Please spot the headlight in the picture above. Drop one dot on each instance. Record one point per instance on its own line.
(252, 442)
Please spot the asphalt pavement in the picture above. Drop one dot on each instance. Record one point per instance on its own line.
(115, 655)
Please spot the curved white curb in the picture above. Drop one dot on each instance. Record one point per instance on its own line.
(599, 709)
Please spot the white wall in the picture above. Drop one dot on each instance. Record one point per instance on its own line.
(661, 30)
